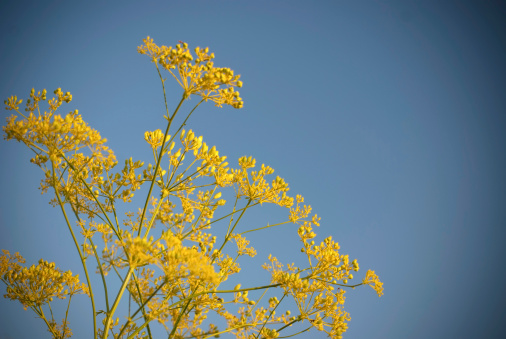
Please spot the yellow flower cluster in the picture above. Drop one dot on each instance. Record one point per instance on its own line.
(314, 294)
(372, 280)
(10, 262)
(257, 188)
(138, 251)
(173, 274)
(60, 331)
(313, 288)
(242, 246)
(155, 138)
(196, 75)
(12, 103)
(184, 269)
(251, 319)
(179, 261)
(50, 135)
(79, 178)
(38, 284)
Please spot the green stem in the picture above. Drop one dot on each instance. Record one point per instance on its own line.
(227, 330)
(144, 315)
(293, 335)
(97, 258)
(83, 260)
(66, 316)
(158, 162)
(99, 264)
(189, 298)
(268, 226)
(174, 328)
(141, 307)
(151, 222)
(170, 119)
(116, 303)
(118, 235)
(270, 315)
(227, 237)
(40, 313)
(109, 222)
(184, 122)
(290, 324)
(232, 213)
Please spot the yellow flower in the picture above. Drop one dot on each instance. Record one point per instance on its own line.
(372, 280)
(196, 75)
(155, 138)
(38, 284)
(12, 103)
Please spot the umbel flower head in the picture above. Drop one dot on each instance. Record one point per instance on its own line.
(175, 277)
(38, 284)
(196, 75)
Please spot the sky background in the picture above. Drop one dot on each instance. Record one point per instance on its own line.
(387, 116)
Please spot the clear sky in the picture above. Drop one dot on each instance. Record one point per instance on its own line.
(387, 116)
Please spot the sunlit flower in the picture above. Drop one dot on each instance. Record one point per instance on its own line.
(196, 75)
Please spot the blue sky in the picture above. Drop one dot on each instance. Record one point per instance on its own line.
(387, 116)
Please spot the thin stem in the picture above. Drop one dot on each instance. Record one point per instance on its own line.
(227, 330)
(66, 316)
(141, 307)
(83, 260)
(268, 226)
(40, 313)
(270, 315)
(181, 315)
(109, 222)
(227, 237)
(116, 302)
(293, 335)
(158, 162)
(153, 217)
(170, 119)
(290, 324)
(101, 274)
(140, 300)
(184, 122)
(97, 258)
(232, 213)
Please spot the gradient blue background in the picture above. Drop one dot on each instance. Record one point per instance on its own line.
(388, 116)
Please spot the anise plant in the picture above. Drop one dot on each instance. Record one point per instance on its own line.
(175, 275)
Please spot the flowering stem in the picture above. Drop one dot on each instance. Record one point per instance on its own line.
(232, 213)
(83, 261)
(116, 302)
(270, 315)
(184, 122)
(189, 298)
(99, 265)
(109, 222)
(101, 274)
(227, 330)
(141, 307)
(180, 316)
(143, 304)
(66, 316)
(153, 218)
(268, 226)
(227, 237)
(40, 313)
(292, 335)
(158, 162)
